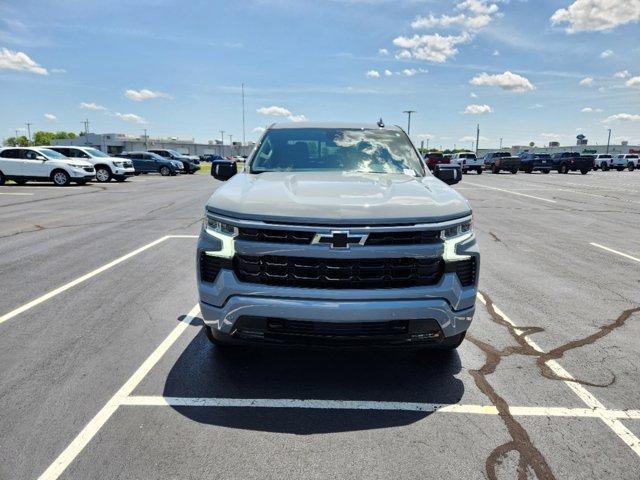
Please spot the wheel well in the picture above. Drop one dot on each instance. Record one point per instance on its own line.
(99, 165)
(55, 170)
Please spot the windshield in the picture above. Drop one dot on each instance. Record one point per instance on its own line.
(467, 155)
(174, 153)
(542, 156)
(336, 149)
(604, 156)
(94, 152)
(52, 154)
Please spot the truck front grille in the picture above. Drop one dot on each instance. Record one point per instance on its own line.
(466, 271)
(338, 273)
(268, 235)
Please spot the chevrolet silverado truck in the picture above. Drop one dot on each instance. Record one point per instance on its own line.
(498, 161)
(337, 234)
(566, 162)
(531, 162)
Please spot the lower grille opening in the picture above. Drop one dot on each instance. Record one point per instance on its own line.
(281, 330)
(466, 271)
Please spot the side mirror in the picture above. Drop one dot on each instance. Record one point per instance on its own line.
(223, 169)
(449, 174)
(40, 157)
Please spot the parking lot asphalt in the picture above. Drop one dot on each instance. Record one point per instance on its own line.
(106, 372)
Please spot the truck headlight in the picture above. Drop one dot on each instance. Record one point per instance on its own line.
(452, 237)
(457, 230)
(213, 226)
(117, 164)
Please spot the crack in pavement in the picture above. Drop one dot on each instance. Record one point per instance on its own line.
(495, 237)
(530, 456)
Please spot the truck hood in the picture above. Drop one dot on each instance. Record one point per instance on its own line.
(337, 198)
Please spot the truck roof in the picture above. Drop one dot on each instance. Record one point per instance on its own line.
(357, 126)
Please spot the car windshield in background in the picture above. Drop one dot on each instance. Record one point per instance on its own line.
(173, 152)
(543, 156)
(94, 152)
(335, 149)
(467, 155)
(53, 154)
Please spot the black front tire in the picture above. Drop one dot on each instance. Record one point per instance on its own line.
(632, 167)
(546, 171)
(2, 179)
(514, 171)
(479, 171)
(165, 171)
(21, 182)
(584, 172)
(495, 170)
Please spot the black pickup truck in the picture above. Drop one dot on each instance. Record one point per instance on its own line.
(566, 162)
(531, 162)
(498, 161)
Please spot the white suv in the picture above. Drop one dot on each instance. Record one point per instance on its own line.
(22, 164)
(106, 167)
(468, 161)
(623, 161)
(602, 161)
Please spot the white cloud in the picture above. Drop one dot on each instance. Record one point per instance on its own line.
(586, 82)
(434, 48)
(597, 15)
(536, 106)
(606, 54)
(258, 130)
(622, 117)
(602, 89)
(479, 7)
(50, 116)
(473, 95)
(472, 23)
(388, 73)
(506, 81)
(496, 53)
(274, 111)
(129, 117)
(58, 70)
(591, 110)
(622, 74)
(144, 94)
(383, 51)
(297, 118)
(92, 106)
(10, 60)
(409, 72)
(373, 74)
(633, 82)
(477, 109)
(403, 55)
(426, 136)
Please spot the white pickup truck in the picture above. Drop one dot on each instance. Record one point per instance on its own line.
(468, 161)
(602, 161)
(623, 161)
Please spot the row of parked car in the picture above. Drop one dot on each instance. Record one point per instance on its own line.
(65, 164)
(563, 162)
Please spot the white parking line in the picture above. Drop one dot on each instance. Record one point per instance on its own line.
(511, 192)
(160, 401)
(15, 193)
(626, 435)
(95, 424)
(85, 277)
(615, 251)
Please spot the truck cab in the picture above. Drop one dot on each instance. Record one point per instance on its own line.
(468, 161)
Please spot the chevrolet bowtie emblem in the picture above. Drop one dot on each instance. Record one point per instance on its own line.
(340, 238)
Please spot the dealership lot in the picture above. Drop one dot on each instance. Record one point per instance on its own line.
(107, 373)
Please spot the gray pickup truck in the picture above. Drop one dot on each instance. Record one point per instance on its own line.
(337, 234)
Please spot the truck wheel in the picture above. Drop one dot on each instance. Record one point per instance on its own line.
(220, 344)
(164, 171)
(2, 179)
(514, 171)
(632, 167)
(60, 178)
(495, 170)
(584, 171)
(103, 174)
(605, 167)
(479, 171)
(546, 171)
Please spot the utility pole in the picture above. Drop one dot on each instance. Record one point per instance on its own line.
(608, 140)
(500, 143)
(86, 131)
(477, 138)
(222, 143)
(29, 132)
(427, 143)
(409, 112)
(243, 136)
(146, 140)
(231, 143)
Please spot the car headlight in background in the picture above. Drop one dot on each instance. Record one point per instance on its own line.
(117, 164)
(75, 165)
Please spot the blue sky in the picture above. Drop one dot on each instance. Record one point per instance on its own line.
(524, 70)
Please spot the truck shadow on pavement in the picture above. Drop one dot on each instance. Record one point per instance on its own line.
(317, 374)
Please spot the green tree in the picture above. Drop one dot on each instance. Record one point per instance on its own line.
(21, 141)
(44, 138)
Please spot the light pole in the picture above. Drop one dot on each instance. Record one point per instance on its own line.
(231, 143)
(222, 143)
(146, 140)
(29, 132)
(409, 112)
(500, 143)
(477, 138)
(608, 140)
(243, 137)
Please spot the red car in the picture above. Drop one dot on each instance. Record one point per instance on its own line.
(434, 158)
